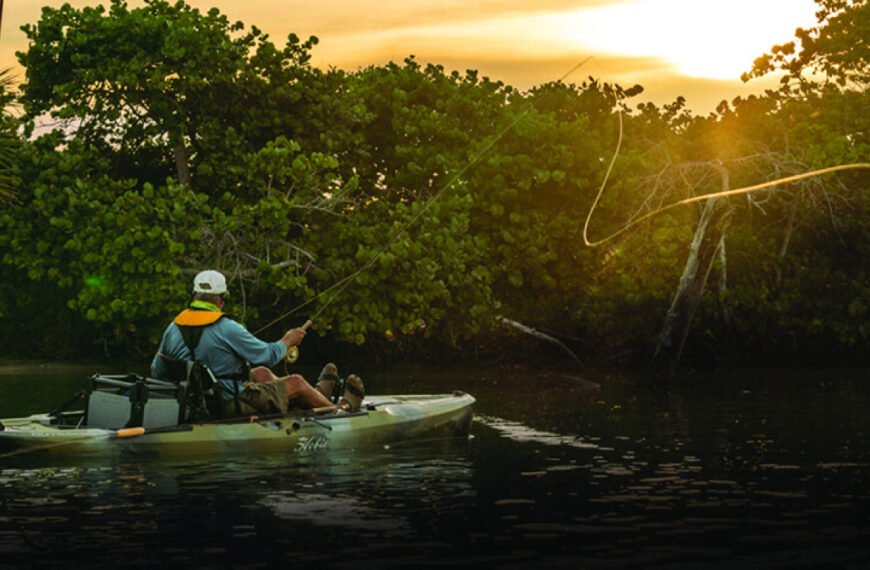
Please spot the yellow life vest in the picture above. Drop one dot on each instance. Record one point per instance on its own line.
(197, 318)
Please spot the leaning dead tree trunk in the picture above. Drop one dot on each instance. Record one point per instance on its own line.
(538, 334)
(709, 238)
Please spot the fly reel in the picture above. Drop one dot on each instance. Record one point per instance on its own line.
(293, 352)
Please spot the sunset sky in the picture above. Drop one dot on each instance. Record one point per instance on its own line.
(693, 48)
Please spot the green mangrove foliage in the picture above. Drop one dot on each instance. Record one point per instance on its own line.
(406, 206)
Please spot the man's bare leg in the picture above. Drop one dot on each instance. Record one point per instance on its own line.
(299, 390)
(261, 374)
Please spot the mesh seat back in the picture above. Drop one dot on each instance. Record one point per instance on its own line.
(108, 411)
(160, 412)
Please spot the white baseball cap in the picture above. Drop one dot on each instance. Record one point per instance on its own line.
(210, 281)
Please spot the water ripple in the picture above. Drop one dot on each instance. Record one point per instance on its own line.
(522, 433)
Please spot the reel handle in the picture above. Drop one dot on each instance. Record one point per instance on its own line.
(293, 352)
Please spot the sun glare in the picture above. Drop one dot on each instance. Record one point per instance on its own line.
(698, 38)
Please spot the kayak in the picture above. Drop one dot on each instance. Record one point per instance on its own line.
(380, 420)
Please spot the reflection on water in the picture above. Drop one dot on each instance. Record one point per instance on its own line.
(749, 470)
(330, 510)
(227, 510)
(517, 431)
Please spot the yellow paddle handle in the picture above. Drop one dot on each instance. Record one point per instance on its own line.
(130, 432)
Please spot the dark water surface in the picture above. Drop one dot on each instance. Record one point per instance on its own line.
(758, 469)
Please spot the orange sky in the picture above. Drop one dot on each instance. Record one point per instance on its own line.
(693, 48)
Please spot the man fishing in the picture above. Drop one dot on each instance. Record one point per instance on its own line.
(203, 333)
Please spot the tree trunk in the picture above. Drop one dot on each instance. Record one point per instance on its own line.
(709, 238)
(722, 283)
(181, 166)
(786, 239)
(179, 153)
(537, 334)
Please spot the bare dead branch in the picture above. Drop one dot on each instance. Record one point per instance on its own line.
(539, 335)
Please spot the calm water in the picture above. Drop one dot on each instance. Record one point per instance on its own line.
(760, 469)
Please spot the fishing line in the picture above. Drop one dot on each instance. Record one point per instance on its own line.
(722, 194)
(604, 182)
(341, 285)
(686, 201)
(344, 283)
(692, 200)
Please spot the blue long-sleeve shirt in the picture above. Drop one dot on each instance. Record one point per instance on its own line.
(224, 347)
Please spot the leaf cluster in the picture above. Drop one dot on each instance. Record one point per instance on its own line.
(405, 205)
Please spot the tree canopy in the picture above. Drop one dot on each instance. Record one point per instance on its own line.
(407, 206)
(834, 50)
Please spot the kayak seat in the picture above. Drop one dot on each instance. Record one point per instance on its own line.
(107, 411)
(198, 389)
(116, 402)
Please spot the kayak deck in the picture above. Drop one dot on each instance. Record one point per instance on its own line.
(382, 419)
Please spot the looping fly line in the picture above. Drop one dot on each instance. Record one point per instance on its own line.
(692, 200)
(343, 283)
(725, 193)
